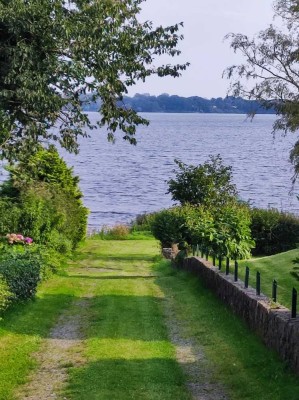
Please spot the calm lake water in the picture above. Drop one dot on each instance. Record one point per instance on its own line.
(120, 181)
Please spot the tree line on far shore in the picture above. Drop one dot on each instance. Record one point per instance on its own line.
(194, 104)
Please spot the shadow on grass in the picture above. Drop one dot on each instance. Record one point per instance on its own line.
(107, 277)
(118, 379)
(109, 317)
(115, 257)
(35, 317)
(239, 356)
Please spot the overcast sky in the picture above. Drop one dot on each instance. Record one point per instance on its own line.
(206, 22)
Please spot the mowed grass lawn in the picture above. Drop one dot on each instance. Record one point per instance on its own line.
(281, 267)
(127, 349)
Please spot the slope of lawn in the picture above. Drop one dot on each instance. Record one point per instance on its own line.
(281, 267)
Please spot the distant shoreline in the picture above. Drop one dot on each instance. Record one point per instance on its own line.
(170, 104)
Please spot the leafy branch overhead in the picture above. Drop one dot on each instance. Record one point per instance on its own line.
(270, 72)
(54, 54)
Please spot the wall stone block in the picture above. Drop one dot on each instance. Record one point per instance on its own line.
(273, 323)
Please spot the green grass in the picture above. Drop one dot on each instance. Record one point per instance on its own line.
(24, 327)
(127, 349)
(280, 267)
(237, 357)
(131, 235)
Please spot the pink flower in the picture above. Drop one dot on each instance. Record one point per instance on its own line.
(28, 240)
(18, 238)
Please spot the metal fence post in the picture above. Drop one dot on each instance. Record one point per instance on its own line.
(236, 271)
(246, 277)
(274, 291)
(219, 263)
(294, 303)
(227, 266)
(258, 283)
(214, 259)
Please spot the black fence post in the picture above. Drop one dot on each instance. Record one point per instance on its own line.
(294, 303)
(258, 283)
(201, 252)
(236, 271)
(227, 266)
(274, 291)
(246, 277)
(193, 251)
(207, 254)
(197, 250)
(220, 263)
(214, 259)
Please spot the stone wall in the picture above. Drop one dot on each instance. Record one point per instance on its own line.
(274, 325)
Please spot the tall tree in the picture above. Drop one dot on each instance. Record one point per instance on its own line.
(57, 54)
(270, 72)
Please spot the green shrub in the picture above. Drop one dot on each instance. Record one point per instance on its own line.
(168, 226)
(232, 224)
(22, 273)
(58, 242)
(9, 215)
(41, 199)
(142, 222)
(224, 230)
(273, 231)
(199, 226)
(5, 295)
(208, 184)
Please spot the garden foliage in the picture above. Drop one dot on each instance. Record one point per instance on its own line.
(21, 273)
(5, 295)
(224, 231)
(273, 231)
(209, 184)
(210, 214)
(41, 203)
(42, 200)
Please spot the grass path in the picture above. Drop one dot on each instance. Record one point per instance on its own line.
(122, 324)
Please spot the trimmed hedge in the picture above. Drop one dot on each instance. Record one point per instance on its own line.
(5, 295)
(21, 272)
(273, 231)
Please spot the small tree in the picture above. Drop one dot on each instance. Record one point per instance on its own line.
(208, 184)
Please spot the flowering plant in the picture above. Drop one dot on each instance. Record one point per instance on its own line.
(13, 238)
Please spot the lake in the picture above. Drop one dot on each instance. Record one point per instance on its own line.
(120, 181)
